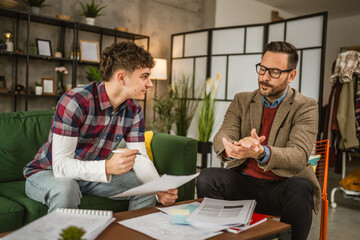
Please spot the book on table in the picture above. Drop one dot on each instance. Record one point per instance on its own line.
(256, 219)
(50, 226)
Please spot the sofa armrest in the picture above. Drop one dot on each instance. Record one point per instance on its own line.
(176, 155)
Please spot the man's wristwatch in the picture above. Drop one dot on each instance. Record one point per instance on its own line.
(262, 155)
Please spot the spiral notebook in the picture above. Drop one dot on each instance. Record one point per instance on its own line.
(50, 226)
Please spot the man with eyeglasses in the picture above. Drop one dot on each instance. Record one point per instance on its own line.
(266, 139)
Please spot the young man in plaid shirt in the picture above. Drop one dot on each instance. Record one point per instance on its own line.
(89, 122)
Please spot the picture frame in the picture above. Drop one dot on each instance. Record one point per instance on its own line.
(89, 51)
(44, 47)
(48, 86)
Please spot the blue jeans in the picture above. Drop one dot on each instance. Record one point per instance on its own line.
(67, 192)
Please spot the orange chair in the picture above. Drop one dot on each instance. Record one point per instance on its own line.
(322, 148)
(321, 172)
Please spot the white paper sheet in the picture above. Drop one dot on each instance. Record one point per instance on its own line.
(51, 225)
(158, 226)
(163, 183)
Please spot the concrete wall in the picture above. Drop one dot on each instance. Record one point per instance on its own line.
(155, 18)
(241, 12)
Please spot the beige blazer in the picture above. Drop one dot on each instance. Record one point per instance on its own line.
(291, 139)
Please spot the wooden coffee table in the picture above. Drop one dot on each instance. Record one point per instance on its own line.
(267, 230)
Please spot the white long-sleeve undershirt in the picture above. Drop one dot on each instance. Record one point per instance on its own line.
(64, 164)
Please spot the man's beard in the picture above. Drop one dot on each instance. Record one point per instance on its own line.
(274, 91)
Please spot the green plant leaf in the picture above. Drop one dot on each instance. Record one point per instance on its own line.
(91, 10)
(184, 106)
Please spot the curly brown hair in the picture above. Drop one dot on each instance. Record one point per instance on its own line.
(125, 55)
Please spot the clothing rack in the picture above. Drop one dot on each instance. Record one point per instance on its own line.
(345, 153)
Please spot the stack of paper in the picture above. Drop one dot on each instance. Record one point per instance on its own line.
(222, 212)
(194, 220)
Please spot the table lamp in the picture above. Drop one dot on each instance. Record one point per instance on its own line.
(159, 72)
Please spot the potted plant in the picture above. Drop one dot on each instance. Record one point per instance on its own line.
(164, 112)
(93, 74)
(35, 5)
(206, 119)
(184, 106)
(91, 11)
(38, 88)
(72, 233)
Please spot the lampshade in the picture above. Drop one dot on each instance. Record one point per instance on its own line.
(159, 72)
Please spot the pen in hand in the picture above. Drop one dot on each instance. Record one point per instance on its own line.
(121, 151)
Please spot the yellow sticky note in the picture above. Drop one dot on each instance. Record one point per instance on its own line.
(177, 211)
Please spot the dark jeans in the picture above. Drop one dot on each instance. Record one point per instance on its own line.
(291, 199)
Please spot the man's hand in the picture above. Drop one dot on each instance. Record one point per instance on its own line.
(248, 147)
(121, 163)
(168, 198)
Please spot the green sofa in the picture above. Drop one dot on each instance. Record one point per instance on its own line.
(22, 134)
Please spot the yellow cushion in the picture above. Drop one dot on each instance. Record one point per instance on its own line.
(148, 137)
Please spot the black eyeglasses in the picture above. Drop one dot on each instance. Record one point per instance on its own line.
(273, 72)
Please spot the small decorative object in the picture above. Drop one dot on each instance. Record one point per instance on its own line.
(93, 74)
(9, 3)
(48, 86)
(91, 11)
(3, 46)
(121, 29)
(38, 88)
(68, 87)
(8, 41)
(58, 53)
(89, 51)
(72, 233)
(19, 88)
(44, 47)
(35, 5)
(60, 72)
(63, 17)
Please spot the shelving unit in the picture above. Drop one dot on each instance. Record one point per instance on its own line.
(23, 30)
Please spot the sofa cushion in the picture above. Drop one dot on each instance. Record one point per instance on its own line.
(21, 136)
(33, 209)
(11, 215)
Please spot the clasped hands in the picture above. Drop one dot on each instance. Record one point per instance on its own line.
(248, 147)
(123, 162)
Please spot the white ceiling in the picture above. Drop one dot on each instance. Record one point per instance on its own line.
(336, 8)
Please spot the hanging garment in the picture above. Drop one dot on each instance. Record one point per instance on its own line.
(346, 67)
(352, 181)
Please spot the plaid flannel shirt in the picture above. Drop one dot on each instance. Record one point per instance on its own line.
(86, 113)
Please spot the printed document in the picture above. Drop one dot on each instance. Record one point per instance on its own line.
(158, 226)
(164, 183)
(223, 212)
